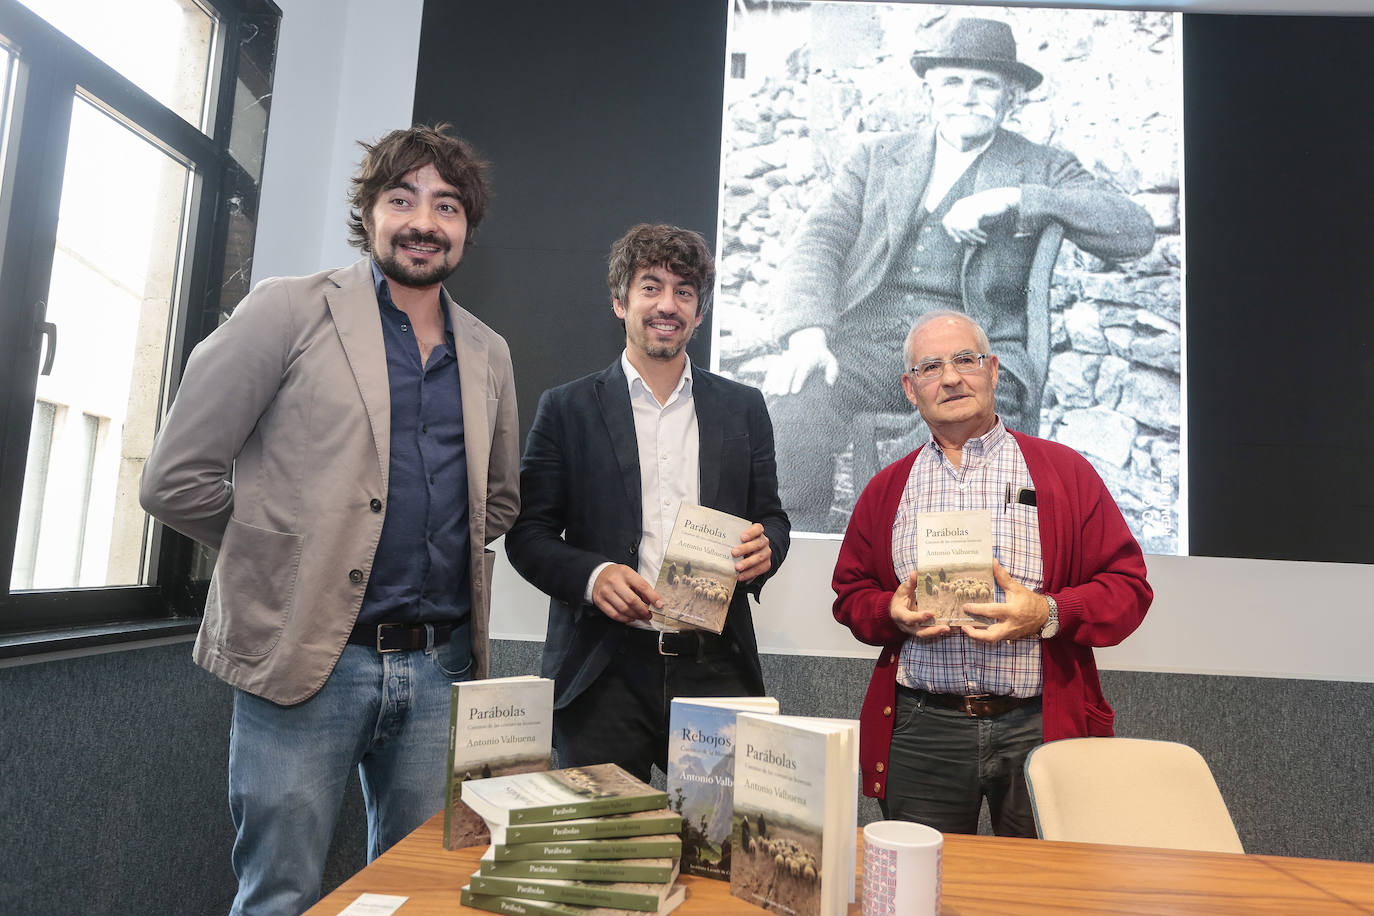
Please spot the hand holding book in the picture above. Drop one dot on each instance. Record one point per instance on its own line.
(1023, 614)
(623, 595)
(907, 615)
(754, 555)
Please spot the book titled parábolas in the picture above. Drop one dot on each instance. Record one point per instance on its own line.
(560, 795)
(796, 813)
(954, 564)
(497, 727)
(532, 906)
(697, 578)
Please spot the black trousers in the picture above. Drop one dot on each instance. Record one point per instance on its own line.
(622, 718)
(943, 763)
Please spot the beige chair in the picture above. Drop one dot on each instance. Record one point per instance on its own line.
(1130, 792)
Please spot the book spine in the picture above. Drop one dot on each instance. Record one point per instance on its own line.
(601, 849)
(608, 870)
(527, 889)
(451, 784)
(593, 830)
(493, 903)
(597, 807)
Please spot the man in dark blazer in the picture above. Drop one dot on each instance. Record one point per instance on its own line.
(946, 217)
(609, 459)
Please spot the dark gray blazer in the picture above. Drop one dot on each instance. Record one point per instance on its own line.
(581, 506)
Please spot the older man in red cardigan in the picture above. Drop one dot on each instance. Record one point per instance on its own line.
(952, 711)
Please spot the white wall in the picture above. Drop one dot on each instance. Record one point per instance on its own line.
(345, 72)
(1214, 616)
(1210, 616)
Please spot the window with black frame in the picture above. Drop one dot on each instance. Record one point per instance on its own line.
(131, 157)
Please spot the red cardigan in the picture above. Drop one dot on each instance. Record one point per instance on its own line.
(1093, 568)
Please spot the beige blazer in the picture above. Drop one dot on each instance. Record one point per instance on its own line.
(275, 453)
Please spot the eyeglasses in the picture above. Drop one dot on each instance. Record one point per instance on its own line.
(963, 363)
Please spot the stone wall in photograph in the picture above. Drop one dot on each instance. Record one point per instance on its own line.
(1110, 96)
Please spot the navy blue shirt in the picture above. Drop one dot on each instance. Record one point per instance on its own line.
(420, 573)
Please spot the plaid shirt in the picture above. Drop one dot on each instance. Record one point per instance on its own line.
(954, 663)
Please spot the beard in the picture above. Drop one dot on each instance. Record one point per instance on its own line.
(660, 349)
(395, 266)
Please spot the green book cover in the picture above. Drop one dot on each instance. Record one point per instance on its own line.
(649, 871)
(640, 823)
(623, 895)
(644, 847)
(524, 907)
(560, 795)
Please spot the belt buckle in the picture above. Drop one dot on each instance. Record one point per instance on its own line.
(661, 650)
(969, 701)
(381, 627)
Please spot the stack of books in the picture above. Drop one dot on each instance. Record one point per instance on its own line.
(584, 840)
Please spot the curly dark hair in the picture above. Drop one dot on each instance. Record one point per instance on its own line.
(400, 152)
(681, 251)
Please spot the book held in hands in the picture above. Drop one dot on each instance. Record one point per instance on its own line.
(697, 578)
(497, 726)
(954, 565)
(796, 813)
(701, 776)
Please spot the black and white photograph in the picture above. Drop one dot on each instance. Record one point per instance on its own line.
(1020, 165)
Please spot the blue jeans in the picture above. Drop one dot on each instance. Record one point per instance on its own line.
(943, 763)
(385, 713)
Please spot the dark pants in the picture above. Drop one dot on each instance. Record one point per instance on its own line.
(943, 763)
(623, 717)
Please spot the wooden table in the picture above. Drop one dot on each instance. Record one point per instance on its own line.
(982, 875)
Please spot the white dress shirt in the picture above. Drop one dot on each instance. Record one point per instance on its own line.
(669, 465)
(949, 166)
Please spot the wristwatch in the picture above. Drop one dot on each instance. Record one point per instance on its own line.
(1051, 626)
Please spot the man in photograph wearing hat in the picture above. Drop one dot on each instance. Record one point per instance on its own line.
(946, 217)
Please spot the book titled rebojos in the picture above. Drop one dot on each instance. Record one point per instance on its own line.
(560, 795)
(954, 564)
(697, 578)
(701, 776)
(796, 813)
(498, 726)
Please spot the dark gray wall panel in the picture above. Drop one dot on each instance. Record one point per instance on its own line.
(114, 769)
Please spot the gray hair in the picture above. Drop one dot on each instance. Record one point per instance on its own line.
(984, 344)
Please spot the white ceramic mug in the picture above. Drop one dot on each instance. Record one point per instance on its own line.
(901, 869)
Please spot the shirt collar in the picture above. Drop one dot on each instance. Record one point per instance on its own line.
(980, 447)
(380, 286)
(946, 149)
(633, 378)
(383, 289)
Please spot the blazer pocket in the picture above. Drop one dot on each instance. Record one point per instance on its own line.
(493, 409)
(257, 571)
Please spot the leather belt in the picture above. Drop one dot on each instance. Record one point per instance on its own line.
(698, 643)
(399, 637)
(979, 707)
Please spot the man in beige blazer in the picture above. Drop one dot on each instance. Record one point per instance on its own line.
(347, 442)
